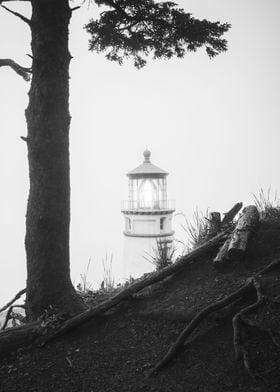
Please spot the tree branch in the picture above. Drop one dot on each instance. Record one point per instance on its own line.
(22, 71)
(75, 8)
(23, 18)
(18, 295)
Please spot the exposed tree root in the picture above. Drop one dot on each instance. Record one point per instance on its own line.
(22, 336)
(178, 345)
(240, 350)
(241, 353)
(238, 323)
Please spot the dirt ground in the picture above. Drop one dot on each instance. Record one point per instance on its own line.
(115, 352)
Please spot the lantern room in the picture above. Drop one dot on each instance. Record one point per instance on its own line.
(147, 187)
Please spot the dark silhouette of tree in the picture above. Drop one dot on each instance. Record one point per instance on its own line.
(125, 28)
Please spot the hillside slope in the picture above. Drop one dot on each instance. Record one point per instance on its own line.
(115, 352)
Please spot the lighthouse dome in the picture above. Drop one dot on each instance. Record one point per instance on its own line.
(147, 169)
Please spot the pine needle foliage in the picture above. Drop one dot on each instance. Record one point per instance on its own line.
(139, 28)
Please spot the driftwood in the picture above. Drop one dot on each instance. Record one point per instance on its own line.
(222, 254)
(235, 246)
(214, 222)
(229, 216)
(17, 296)
(14, 338)
(248, 287)
(246, 225)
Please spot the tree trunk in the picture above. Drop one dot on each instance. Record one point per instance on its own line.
(48, 121)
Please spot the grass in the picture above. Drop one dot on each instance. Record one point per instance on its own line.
(108, 283)
(163, 256)
(268, 204)
(197, 229)
(85, 286)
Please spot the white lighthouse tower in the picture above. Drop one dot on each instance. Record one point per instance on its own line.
(147, 216)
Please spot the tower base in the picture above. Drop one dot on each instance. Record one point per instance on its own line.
(138, 255)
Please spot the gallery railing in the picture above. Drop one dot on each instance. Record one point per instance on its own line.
(128, 205)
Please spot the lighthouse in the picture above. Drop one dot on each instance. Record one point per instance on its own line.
(147, 217)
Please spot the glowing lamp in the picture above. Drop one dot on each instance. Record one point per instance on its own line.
(147, 186)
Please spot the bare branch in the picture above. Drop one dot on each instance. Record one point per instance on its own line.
(23, 18)
(75, 8)
(18, 295)
(22, 71)
(6, 1)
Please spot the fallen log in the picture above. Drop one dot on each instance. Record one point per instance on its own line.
(229, 216)
(246, 225)
(221, 257)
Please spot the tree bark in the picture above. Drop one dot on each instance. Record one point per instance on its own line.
(48, 121)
